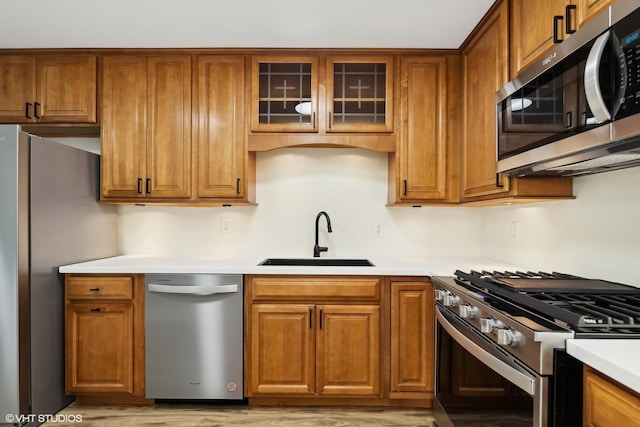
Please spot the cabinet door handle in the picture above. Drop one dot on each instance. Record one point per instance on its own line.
(404, 187)
(139, 185)
(27, 112)
(499, 183)
(36, 106)
(320, 320)
(567, 13)
(96, 310)
(556, 33)
(310, 318)
(147, 186)
(569, 119)
(238, 186)
(313, 120)
(329, 118)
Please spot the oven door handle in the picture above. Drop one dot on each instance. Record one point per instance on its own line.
(516, 377)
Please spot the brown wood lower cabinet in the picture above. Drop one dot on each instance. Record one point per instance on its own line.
(104, 338)
(100, 347)
(315, 349)
(412, 335)
(338, 340)
(607, 403)
(321, 339)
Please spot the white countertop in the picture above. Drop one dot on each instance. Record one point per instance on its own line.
(617, 359)
(383, 266)
(614, 358)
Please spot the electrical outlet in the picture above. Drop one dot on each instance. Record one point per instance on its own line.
(226, 225)
(378, 230)
(515, 230)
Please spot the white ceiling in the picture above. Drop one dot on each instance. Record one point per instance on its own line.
(238, 23)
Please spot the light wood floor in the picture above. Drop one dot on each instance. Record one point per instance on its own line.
(174, 415)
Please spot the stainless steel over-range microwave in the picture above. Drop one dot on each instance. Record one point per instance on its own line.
(577, 110)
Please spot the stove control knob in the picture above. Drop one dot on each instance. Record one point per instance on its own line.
(489, 326)
(508, 337)
(451, 300)
(468, 311)
(439, 294)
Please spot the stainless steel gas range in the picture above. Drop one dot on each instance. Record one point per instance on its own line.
(501, 338)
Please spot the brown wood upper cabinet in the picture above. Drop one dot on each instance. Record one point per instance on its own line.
(322, 94)
(146, 131)
(418, 170)
(220, 144)
(284, 92)
(537, 25)
(48, 89)
(359, 94)
(485, 69)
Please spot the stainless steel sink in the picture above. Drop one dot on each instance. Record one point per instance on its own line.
(314, 262)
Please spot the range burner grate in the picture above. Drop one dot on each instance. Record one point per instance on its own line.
(485, 274)
(614, 310)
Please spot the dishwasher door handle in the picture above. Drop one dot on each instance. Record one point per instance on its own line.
(193, 290)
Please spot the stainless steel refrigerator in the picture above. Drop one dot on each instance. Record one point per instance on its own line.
(49, 216)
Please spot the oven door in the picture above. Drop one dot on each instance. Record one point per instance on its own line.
(478, 383)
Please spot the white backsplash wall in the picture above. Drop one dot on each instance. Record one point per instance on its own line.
(293, 185)
(597, 235)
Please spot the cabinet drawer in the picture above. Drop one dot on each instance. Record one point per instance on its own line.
(116, 287)
(312, 287)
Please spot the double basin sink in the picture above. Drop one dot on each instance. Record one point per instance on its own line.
(317, 262)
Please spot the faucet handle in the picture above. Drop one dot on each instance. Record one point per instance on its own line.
(317, 249)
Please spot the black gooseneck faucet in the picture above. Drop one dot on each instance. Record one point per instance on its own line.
(317, 249)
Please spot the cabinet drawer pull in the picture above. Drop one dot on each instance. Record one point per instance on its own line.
(27, 108)
(36, 106)
(95, 289)
(556, 32)
(96, 310)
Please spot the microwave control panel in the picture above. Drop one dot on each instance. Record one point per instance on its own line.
(628, 34)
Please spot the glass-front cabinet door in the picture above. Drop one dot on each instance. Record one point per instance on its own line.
(285, 94)
(359, 94)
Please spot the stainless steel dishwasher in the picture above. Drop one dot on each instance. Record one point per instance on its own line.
(194, 336)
